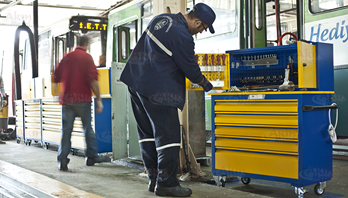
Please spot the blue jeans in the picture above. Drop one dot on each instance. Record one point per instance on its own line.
(69, 112)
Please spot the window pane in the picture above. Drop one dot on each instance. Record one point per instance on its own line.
(95, 49)
(27, 55)
(323, 5)
(287, 17)
(147, 9)
(146, 21)
(60, 50)
(258, 14)
(146, 15)
(124, 45)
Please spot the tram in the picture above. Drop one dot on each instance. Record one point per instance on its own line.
(247, 24)
(239, 25)
(38, 111)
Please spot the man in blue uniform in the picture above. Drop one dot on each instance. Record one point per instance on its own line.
(155, 75)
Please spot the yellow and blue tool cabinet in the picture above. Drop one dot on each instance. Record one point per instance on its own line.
(270, 134)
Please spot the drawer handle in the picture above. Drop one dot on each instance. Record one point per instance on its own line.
(311, 107)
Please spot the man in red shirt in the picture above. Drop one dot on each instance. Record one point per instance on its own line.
(79, 75)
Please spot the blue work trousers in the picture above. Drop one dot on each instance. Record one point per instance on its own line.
(69, 112)
(159, 139)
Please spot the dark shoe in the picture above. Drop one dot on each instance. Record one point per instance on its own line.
(176, 191)
(62, 166)
(100, 159)
(152, 184)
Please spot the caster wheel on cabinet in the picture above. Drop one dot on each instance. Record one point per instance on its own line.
(245, 180)
(74, 151)
(45, 145)
(220, 180)
(318, 190)
(223, 182)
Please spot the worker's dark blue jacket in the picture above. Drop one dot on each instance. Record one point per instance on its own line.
(160, 61)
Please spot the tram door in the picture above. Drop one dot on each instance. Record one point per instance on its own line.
(254, 30)
(125, 136)
(127, 26)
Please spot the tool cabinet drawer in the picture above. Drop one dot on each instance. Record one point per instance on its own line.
(256, 120)
(256, 163)
(279, 147)
(285, 134)
(276, 106)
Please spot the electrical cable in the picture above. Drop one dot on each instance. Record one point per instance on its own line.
(331, 128)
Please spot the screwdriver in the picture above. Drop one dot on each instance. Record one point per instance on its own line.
(206, 64)
(223, 56)
(213, 65)
(218, 64)
(196, 59)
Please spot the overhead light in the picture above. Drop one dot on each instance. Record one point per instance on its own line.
(2, 16)
(27, 1)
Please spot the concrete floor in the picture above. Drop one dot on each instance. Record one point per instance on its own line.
(111, 180)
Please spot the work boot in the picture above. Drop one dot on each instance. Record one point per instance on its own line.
(176, 191)
(2, 142)
(90, 161)
(152, 184)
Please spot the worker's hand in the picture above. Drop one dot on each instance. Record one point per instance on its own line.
(207, 86)
(99, 106)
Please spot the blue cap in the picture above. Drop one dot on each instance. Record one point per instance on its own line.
(206, 14)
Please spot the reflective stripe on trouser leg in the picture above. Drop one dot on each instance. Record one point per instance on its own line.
(161, 123)
(145, 135)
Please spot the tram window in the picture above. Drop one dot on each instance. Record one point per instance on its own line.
(95, 47)
(226, 16)
(132, 35)
(317, 6)
(288, 18)
(124, 45)
(27, 55)
(44, 60)
(147, 10)
(127, 39)
(75, 40)
(258, 14)
(21, 60)
(145, 22)
(60, 50)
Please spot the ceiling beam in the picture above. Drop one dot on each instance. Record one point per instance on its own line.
(9, 4)
(15, 25)
(18, 2)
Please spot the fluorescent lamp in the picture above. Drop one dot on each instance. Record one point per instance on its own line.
(27, 1)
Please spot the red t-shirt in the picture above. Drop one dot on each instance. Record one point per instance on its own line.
(76, 70)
